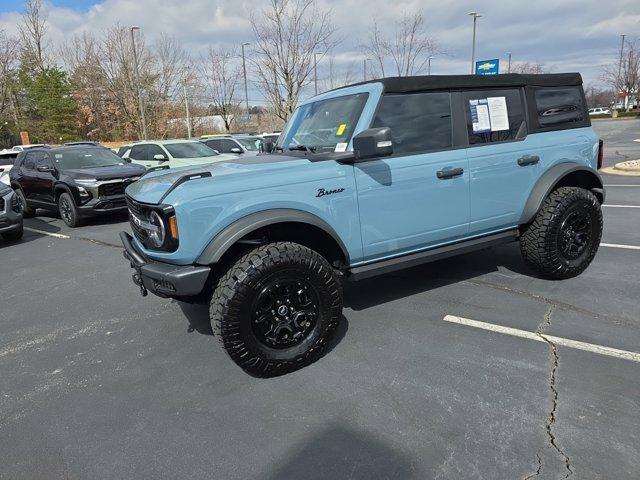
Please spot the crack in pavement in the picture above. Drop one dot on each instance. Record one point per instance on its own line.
(551, 418)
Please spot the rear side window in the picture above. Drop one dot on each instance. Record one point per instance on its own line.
(139, 152)
(419, 122)
(494, 115)
(559, 106)
(30, 161)
(215, 144)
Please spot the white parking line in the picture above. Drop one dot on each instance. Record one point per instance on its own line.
(587, 347)
(50, 234)
(617, 245)
(621, 206)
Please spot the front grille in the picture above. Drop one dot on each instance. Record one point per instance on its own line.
(136, 208)
(109, 189)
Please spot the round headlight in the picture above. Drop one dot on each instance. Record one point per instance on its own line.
(156, 237)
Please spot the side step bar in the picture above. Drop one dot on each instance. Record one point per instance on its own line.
(426, 256)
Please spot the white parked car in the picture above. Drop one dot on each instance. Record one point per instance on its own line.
(171, 153)
(7, 157)
(599, 111)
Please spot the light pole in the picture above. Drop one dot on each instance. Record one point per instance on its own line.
(475, 16)
(135, 63)
(429, 65)
(186, 102)
(315, 71)
(364, 69)
(509, 64)
(246, 92)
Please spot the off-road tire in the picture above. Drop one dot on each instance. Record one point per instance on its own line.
(232, 307)
(540, 240)
(71, 217)
(27, 212)
(13, 236)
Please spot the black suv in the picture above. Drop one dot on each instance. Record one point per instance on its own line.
(77, 181)
(10, 214)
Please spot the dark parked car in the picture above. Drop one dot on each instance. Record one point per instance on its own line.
(10, 214)
(77, 181)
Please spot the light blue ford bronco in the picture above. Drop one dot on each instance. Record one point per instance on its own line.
(365, 180)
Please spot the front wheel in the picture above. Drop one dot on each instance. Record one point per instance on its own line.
(276, 308)
(27, 212)
(564, 236)
(68, 210)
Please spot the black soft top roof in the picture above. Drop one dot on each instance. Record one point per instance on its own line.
(439, 82)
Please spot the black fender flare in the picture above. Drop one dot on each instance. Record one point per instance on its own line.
(245, 225)
(64, 188)
(552, 177)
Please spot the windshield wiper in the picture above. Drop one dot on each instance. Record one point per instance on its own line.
(303, 148)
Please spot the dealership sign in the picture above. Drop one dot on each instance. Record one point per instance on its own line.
(488, 67)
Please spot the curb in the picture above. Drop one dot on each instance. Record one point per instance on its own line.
(630, 168)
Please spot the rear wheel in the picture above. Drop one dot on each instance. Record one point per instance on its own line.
(564, 236)
(276, 308)
(68, 210)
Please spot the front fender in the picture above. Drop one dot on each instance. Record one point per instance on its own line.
(245, 225)
(589, 179)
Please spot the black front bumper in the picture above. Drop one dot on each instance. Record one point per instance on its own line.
(163, 279)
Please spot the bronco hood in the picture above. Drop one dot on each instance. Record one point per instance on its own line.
(155, 186)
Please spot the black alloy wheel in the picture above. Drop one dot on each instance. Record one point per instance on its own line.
(285, 311)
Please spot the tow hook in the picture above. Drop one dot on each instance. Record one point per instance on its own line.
(137, 279)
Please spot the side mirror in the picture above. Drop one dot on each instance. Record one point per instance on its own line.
(159, 156)
(236, 150)
(44, 168)
(373, 143)
(267, 146)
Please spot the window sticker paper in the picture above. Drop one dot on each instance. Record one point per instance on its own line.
(498, 114)
(480, 120)
(341, 129)
(341, 147)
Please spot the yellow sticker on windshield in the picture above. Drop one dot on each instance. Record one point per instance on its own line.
(341, 129)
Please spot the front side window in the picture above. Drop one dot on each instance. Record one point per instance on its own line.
(251, 144)
(153, 150)
(42, 159)
(87, 157)
(419, 122)
(558, 106)
(324, 125)
(189, 150)
(494, 115)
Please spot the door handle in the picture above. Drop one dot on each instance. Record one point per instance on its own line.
(528, 160)
(449, 173)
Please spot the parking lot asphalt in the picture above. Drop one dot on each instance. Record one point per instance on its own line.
(99, 382)
(619, 136)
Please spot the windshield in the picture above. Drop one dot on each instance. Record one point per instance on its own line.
(251, 144)
(89, 157)
(325, 125)
(189, 150)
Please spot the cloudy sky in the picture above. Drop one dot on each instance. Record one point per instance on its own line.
(564, 35)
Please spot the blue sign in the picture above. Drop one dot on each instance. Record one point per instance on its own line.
(488, 67)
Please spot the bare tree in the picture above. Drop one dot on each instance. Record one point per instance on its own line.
(624, 75)
(287, 34)
(9, 48)
(32, 32)
(407, 50)
(529, 67)
(222, 74)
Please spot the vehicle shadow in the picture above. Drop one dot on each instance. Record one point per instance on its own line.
(107, 219)
(340, 451)
(198, 317)
(405, 283)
